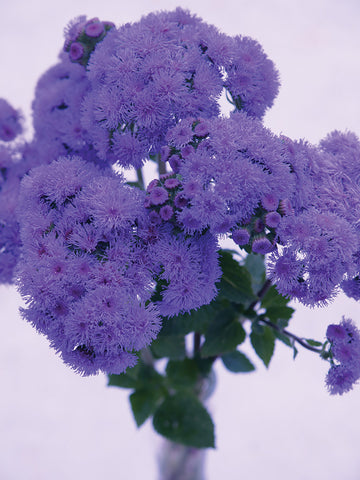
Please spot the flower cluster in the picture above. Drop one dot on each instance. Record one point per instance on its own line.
(82, 36)
(345, 349)
(229, 168)
(148, 76)
(82, 270)
(101, 261)
(321, 240)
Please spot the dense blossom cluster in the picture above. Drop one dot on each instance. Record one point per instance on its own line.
(148, 76)
(345, 349)
(101, 262)
(322, 239)
(228, 167)
(83, 270)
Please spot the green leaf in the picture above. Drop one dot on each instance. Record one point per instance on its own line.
(235, 283)
(283, 338)
(183, 373)
(170, 346)
(183, 419)
(282, 312)
(128, 379)
(195, 321)
(255, 265)
(237, 362)
(313, 343)
(296, 351)
(224, 334)
(263, 344)
(272, 298)
(144, 402)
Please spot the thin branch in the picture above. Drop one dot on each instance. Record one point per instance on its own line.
(197, 342)
(261, 294)
(140, 178)
(301, 341)
(161, 165)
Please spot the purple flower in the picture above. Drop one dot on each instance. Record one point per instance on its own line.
(241, 236)
(262, 245)
(340, 379)
(166, 212)
(10, 121)
(83, 265)
(158, 196)
(76, 51)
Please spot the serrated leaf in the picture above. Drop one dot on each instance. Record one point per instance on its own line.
(183, 419)
(170, 346)
(224, 334)
(263, 344)
(235, 283)
(143, 403)
(237, 362)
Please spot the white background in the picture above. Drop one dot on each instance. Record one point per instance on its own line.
(276, 424)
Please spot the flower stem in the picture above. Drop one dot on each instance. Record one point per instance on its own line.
(301, 341)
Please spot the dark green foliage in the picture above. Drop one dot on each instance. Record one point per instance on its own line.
(237, 362)
(183, 419)
(172, 398)
(144, 402)
(263, 342)
(255, 266)
(171, 346)
(224, 334)
(235, 283)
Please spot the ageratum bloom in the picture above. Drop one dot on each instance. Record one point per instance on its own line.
(345, 350)
(227, 172)
(82, 271)
(148, 76)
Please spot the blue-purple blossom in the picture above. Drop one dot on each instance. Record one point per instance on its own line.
(154, 75)
(189, 271)
(90, 289)
(229, 172)
(344, 339)
(10, 121)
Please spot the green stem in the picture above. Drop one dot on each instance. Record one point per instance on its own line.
(301, 341)
(261, 294)
(140, 178)
(161, 164)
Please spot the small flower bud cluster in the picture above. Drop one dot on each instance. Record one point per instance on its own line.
(344, 339)
(259, 233)
(82, 36)
(164, 199)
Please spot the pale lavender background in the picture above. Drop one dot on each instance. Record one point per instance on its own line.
(277, 424)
